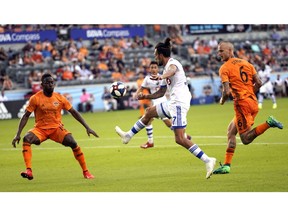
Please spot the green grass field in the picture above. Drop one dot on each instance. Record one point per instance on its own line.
(168, 167)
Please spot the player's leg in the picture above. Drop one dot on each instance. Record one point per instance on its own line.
(149, 132)
(150, 113)
(30, 138)
(63, 136)
(271, 94)
(247, 116)
(168, 123)
(262, 92)
(231, 138)
(179, 122)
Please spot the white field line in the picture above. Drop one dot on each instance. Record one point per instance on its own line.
(120, 145)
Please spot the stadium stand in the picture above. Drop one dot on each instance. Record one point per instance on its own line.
(267, 43)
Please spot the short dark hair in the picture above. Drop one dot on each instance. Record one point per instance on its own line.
(164, 48)
(153, 63)
(46, 75)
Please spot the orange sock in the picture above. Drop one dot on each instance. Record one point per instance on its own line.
(27, 154)
(260, 129)
(78, 154)
(229, 155)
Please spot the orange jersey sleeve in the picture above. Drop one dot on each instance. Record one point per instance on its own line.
(47, 110)
(239, 73)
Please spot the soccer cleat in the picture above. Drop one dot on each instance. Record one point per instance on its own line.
(147, 145)
(87, 175)
(124, 136)
(260, 105)
(223, 169)
(272, 122)
(209, 167)
(27, 174)
(274, 106)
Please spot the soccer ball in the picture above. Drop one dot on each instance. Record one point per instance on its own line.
(118, 89)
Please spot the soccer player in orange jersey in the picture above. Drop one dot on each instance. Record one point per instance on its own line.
(47, 105)
(241, 77)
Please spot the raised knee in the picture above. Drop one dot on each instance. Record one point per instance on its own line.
(245, 141)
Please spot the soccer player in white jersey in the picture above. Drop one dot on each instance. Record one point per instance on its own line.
(267, 88)
(176, 108)
(153, 86)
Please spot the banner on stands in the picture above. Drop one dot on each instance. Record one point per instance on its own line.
(102, 33)
(216, 29)
(24, 37)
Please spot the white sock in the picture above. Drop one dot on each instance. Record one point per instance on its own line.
(195, 150)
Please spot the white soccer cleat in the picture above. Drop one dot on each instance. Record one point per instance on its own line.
(209, 167)
(124, 136)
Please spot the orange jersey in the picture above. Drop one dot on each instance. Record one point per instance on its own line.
(239, 73)
(47, 110)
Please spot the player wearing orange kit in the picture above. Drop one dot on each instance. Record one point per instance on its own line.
(241, 77)
(47, 106)
(143, 104)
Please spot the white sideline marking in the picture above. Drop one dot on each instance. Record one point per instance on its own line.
(120, 145)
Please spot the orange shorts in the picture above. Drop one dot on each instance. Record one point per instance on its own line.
(245, 113)
(55, 134)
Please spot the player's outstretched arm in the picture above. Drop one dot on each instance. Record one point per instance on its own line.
(22, 123)
(79, 118)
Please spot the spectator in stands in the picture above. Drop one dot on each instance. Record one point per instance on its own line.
(37, 47)
(7, 83)
(67, 74)
(27, 59)
(16, 61)
(83, 54)
(29, 47)
(37, 57)
(48, 44)
(64, 56)
(110, 103)
(95, 44)
(85, 73)
(86, 102)
(213, 43)
(79, 43)
(47, 56)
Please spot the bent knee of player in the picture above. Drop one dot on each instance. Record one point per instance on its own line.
(31, 138)
(151, 112)
(245, 140)
(69, 141)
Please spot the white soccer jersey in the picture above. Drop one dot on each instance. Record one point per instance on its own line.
(177, 84)
(264, 75)
(153, 86)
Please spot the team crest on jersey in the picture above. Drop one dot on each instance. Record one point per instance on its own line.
(56, 103)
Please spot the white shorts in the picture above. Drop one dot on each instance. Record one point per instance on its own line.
(177, 113)
(267, 88)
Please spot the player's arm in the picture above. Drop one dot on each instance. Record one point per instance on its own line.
(160, 93)
(257, 82)
(225, 92)
(172, 69)
(139, 92)
(23, 121)
(80, 119)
